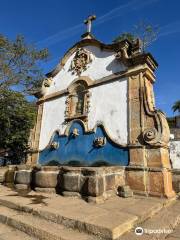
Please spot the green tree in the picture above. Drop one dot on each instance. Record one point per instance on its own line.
(17, 117)
(20, 75)
(20, 64)
(176, 106)
(123, 36)
(146, 32)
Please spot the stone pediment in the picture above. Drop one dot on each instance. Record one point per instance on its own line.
(126, 51)
(88, 54)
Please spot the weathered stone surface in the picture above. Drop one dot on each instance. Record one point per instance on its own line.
(176, 180)
(45, 190)
(23, 167)
(23, 177)
(3, 171)
(136, 179)
(71, 182)
(119, 178)
(110, 182)
(136, 156)
(156, 184)
(71, 194)
(45, 179)
(96, 200)
(160, 183)
(109, 219)
(158, 157)
(21, 186)
(7, 233)
(95, 186)
(9, 177)
(125, 191)
(39, 228)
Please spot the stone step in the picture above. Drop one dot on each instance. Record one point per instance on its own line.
(39, 228)
(108, 220)
(9, 233)
(104, 226)
(91, 220)
(167, 219)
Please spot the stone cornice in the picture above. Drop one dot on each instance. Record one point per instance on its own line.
(111, 78)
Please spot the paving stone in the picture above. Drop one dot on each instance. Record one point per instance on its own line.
(176, 233)
(9, 233)
(111, 225)
(172, 238)
(110, 219)
(133, 236)
(144, 209)
(40, 228)
(4, 229)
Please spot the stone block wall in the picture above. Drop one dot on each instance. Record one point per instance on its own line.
(91, 183)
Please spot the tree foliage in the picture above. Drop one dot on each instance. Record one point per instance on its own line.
(123, 36)
(146, 32)
(20, 74)
(17, 117)
(176, 106)
(19, 64)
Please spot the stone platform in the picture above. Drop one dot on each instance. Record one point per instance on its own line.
(50, 216)
(90, 183)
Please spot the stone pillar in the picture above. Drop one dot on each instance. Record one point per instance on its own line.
(34, 152)
(149, 170)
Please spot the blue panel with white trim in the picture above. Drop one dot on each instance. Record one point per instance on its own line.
(81, 148)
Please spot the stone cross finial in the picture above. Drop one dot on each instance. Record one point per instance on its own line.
(88, 22)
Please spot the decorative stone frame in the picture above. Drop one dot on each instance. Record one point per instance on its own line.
(73, 95)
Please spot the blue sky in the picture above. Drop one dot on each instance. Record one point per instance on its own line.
(59, 24)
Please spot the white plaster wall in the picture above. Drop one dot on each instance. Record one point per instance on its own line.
(52, 119)
(108, 101)
(175, 154)
(109, 105)
(103, 64)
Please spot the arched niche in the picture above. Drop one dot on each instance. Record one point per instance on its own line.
(78, 100)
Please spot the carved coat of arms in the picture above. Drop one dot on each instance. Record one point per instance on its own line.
(80, 61)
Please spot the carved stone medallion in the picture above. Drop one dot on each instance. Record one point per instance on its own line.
(80, 61)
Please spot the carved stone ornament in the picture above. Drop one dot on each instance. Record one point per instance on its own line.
(75, 132)
(78, 102)
(150, 135)
(80, 61)
(47, 82)
(99, 142)
(54, 145)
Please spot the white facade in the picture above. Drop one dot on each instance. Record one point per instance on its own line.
(108, 102)
(175, 154)
(103, 64)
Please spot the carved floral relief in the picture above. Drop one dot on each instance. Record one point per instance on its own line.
(80, 61)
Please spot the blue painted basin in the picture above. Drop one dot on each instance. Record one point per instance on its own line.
(81, 150)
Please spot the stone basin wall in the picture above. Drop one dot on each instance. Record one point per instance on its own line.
(91, 183)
